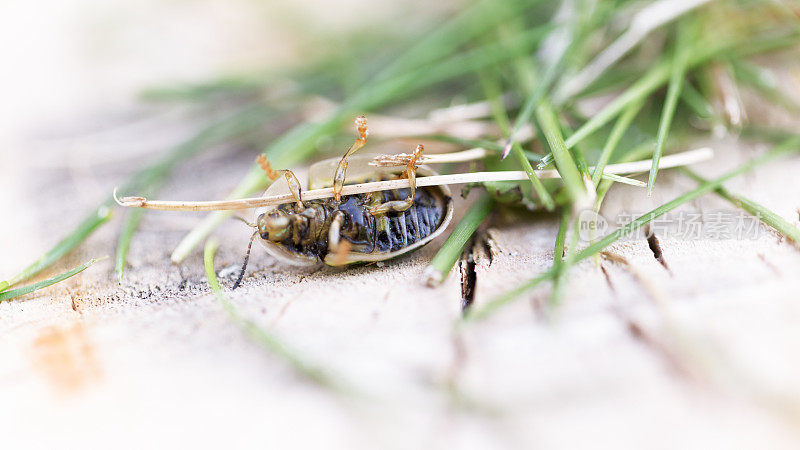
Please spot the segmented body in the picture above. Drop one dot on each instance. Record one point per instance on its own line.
(364, 232)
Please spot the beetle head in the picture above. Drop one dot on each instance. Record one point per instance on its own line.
(273, 226)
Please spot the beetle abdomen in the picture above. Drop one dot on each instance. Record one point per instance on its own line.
(396, 230)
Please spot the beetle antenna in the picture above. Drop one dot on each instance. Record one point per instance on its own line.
(251, 225)
(246, 259)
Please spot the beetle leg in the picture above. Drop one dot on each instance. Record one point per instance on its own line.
(334, 230)
(402, 205)
(339, 175)
(291, 179)
(336, 246)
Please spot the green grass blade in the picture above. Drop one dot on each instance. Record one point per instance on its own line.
(8, 295)
(762, 213)
(765, 82)
(450, 36)
(677, 74)
(84, 229)
(129, 227)
(695, 100)
(261, 336)
(787, 147)
(561, 261)
(624, 180)
(532, 100)
(620, 127)
(446, 257)
(546, 118)
(651, 81)
(642, 151)
(494, 95)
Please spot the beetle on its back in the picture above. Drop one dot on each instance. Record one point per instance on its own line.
(354, 228)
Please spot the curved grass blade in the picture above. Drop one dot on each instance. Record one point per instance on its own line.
(494, 94)
(620, 127)
(677, 73)
(695, 100)
(261, 336)
(762, 213)
(765, 82)
(560, 260)
(446, 257)
(787, 147)
(132, 221)
(564, 163)
(72, 240)
(8, 295)
(542, 86)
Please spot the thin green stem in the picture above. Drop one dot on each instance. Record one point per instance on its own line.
(446, 257)
(560, 260)
(9, 294)
(546, 118)
(494, 96)
(762, 213)
(620, 127)
(261, 336)
(84, 229)
(695, 100)
(677, 74)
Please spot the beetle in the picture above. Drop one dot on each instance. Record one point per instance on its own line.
(350, 229)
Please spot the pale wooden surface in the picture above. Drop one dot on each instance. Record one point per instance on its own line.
(701, 356)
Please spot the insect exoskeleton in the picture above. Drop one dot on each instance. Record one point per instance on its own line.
(346, 232)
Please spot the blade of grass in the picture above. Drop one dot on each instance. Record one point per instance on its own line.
(84, 229)
(450, 36)
(9, 294)
(765, 83)
(677, 73)
(642, 151)
(787, 147)
(446, 257)
(261, 336)
(624, 180)
(695, 100)
(560, 264)
(546, 118)
(533, 97)
(494, 94)
(620, 127)
(129, 227)
(762, 213)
